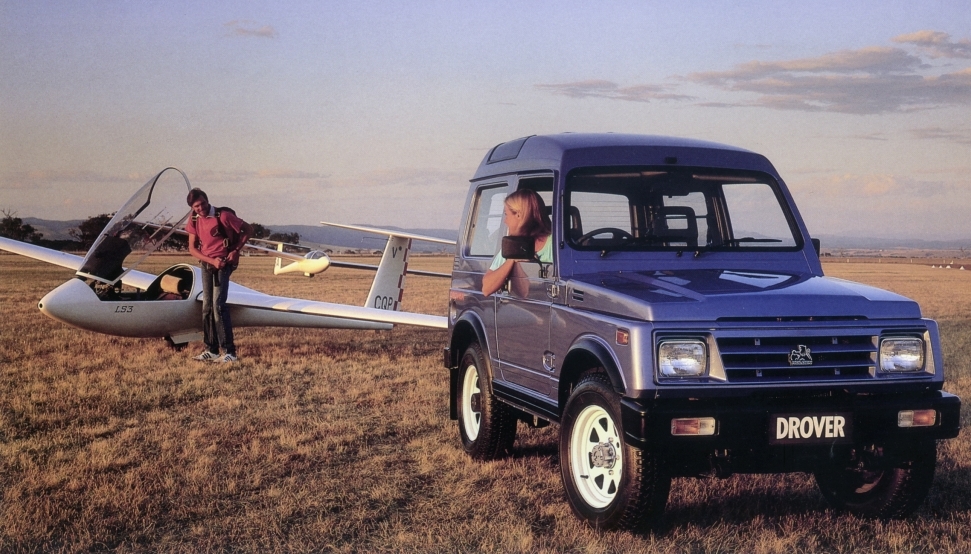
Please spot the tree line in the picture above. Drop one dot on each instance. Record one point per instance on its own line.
(88, 230)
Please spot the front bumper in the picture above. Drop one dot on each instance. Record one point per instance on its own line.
(745, 426)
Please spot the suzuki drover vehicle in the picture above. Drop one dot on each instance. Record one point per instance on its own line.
(684, 328)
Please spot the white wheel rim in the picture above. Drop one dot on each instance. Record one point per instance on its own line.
(470, 389)
(870, 481)
(596, 457)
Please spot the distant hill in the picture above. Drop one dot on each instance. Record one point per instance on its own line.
(831, 242)
(53, 230)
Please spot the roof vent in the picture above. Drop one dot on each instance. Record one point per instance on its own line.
(507, 150)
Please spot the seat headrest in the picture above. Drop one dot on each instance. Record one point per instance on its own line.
(171, 283)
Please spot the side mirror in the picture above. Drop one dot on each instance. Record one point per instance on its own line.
(518, 248)
(816, 246)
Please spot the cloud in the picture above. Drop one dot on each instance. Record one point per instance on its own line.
(865, 81)
(243, 28)
(287, 174)
(937, 44)
(874, 60)
(611, 90)
(960, 136)
(872, 80)
(871, 136)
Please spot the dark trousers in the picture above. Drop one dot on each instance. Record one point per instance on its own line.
(217, 328)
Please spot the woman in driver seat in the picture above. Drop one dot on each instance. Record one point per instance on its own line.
(524, 214)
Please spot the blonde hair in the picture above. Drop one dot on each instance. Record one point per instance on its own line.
(536, 222)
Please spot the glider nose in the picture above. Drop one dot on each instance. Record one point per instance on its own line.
(314, 263)
(67, 302)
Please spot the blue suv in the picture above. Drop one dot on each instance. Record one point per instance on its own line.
(684, 328)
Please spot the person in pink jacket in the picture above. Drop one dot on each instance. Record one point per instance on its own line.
(216, 236)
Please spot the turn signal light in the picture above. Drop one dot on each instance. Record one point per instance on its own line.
(916, 418)
(697, 426)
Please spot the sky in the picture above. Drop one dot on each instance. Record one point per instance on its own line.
(379, 112)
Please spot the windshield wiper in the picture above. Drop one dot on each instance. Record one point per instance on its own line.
(736, 243)
(645, 239)
(739, 241)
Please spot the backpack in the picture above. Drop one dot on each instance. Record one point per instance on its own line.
(229, 235)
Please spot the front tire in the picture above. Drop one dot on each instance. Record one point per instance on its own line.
(487, 427)
(609, 483)
(857, 483)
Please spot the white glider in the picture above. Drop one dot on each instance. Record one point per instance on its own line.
(169, 304)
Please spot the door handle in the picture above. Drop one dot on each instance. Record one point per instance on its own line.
(549, 361)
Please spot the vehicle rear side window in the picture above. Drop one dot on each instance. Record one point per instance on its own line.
(486, 231)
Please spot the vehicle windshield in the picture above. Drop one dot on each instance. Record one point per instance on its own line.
(640, 208)
(141, 226)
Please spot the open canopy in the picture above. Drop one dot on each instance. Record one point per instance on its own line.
(142, 225)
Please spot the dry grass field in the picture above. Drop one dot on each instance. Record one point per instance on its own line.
(339, 441)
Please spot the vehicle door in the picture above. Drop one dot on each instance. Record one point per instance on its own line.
(484, 233)
(523, 310)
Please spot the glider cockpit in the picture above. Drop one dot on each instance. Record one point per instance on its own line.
(175, 283)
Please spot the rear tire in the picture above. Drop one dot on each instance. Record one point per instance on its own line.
(852, 482)
(609, 483)
(487, 427)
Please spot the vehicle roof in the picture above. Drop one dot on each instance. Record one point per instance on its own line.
(568, 150)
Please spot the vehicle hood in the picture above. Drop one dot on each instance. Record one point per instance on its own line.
(712, 294)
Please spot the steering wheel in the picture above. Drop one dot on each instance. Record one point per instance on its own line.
(615, 233)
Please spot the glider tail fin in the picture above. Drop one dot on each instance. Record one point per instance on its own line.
(389, 281)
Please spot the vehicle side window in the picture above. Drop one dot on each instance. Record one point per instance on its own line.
(543, 186)
(487, 226)
(547, 196)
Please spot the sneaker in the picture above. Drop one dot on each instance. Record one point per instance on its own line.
(228, 358)
(206, 356)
